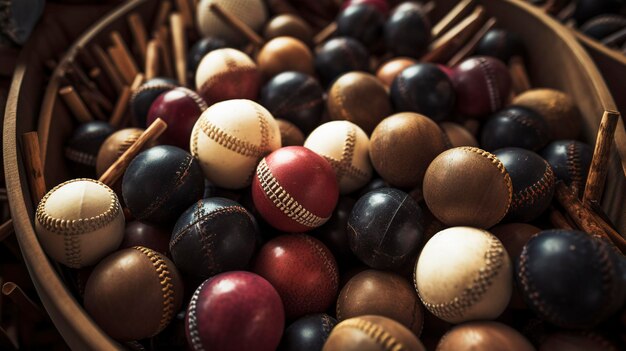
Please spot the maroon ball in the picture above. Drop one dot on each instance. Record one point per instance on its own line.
(180, 108)
(303, 271)
(482, 85)
(143, 234)
(235, 311)
(295, 189)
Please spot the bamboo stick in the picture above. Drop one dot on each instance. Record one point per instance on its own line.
(600, 161)
(75, 104)
(179, 41)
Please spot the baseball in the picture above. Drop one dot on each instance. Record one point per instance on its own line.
(251, 12)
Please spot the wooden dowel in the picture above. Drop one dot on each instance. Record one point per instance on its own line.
(161, 16)
(455, 38)
(137, 82)
(179, 42)
(519, 75)
(325, 33)
(91, 102)
(126, 63)
(138, 31)
(600, 161)
(162, 37)
(236, 24)
(33, 165)
(558, 220)
(108, 67)
(459, 11)
(184, 8)
(152, 59)
(75, 104)
(6, 229)
(469, 48)
(117, 169)
(121, 106)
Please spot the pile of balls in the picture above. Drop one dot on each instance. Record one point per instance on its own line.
(346, 197)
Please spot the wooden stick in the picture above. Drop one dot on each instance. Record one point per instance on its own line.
(121, 106)
(103, 84)
(236, 24)
(75, 104)
(452, 40)
(138, 31)
(469, 48)
(33, 165)
(162, 14)
(6, 229)
(455, 15)
(164, 48)
(325, 33)
(91, 102)
(558, 219)
(126, 62)
(152, 59)
(519, 76)
(119, 167)
(108, 67)
(600, 161)
(184, 8)
(180, 47)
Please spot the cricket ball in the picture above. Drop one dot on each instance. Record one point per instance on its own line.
(290, 134)
(288, 25)
(251, 12)
(407, 31)
(284, 54)
(468, 186)
(464, 274)
(482, 85)
(235, 311)
(359, 98)
(363, 22)
(230, 138)
(160, 183)
(147, 235)
(180, 108)
(550, 270)
(381, 293)
(346, 147)
(371, 333)
(557, 108)
(303, 271)
(79, 222)
(214, 235)
(308, 333)
(295, 97)
(294, 189)
(458, 135)
(485, 336)
(144, 96)
(515, 126)
(389, 70)
(82, 148)
(501, 44)
(226, 74)
(199, 50)
(134, 293)
(570, 160)
(338, 56)
(403, 145)
(425, 89)
(385, 228)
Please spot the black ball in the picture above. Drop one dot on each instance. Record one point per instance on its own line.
(82, 148)
(214, 235)
(533, 183)
(500, 44)
(162, 182)
(334, 232)
(603, 26)
(570, 278)
(385, 228)
(308, 333)
(407, 31)
(338, 56)
(199, 50)
(295, 97)
(425, 89)
(515, 126)
(142, 98)
(570, 160)
(362, 22)
(587, 9)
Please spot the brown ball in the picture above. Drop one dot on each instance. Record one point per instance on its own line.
(388, 71)
(371, 333)
(359, 98)
(467, 186)
(484, 336)
(284, 54)
(114, 146)
(558, 109)
(134, 293)
(288, 25)
(403, 145)
(458, 135)
(381, 293)
(290, 135)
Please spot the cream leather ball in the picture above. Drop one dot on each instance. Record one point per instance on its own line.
(464, 274)
(251, 12)
(230, 138)
(79, 222)
(346, 147)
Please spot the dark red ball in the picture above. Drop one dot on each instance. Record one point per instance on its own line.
(303, 271)
(235, 311)
(147, 235)
(295, 189)
(482, 85)
(180, 108)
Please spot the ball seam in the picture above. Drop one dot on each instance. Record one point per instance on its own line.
(192, 320)
(376, 332)
(80, 157)
(228, 141)
(530, 194)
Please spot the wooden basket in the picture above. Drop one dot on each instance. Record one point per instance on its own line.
(555, 60)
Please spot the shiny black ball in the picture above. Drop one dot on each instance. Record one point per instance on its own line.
(199, 50)
(500, 44)
(407, 31)
(308, 333)
(338, 56)
(570, 160)
(515, 126)
(363, 22)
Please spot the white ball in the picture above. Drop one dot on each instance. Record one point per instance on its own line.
(464, 274)
(251, 12)
(346, 147)
(79, 222)
(230, 138)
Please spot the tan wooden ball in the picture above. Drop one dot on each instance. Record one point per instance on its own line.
(284, 54)
(558, 109)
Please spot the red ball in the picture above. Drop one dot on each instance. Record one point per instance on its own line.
(295, 189)
(303, 271)
(482, 85)
(180, 108)
(235, 311)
